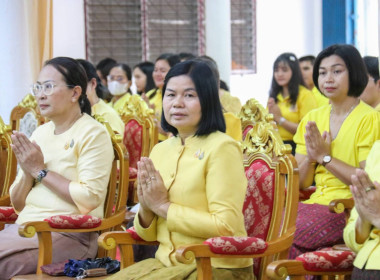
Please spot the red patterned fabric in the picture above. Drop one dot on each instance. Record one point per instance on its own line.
(232, 245)
(133, 141)
(133, 233)
(8, 214)
(258, 203)
(73, 221)
(328, 260)
(248, 128)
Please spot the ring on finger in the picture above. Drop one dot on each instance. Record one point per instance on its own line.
(153, 178)
(370, 188)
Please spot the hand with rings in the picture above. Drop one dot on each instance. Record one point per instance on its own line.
(367, 198)
(151, 192)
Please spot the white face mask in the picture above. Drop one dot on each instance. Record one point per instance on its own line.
(117, 88)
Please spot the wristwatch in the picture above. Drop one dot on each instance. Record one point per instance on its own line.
(42, 174)
(282, 120)
(326, 160)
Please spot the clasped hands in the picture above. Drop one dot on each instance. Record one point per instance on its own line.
(151, 190)
(274, 109)
(28, 154)
(317, 145)
(367, 198)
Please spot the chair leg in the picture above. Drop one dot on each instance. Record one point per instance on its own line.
(204, 270)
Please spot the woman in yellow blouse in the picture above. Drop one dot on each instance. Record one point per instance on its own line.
(119, 81)
(289, 99)
(161, 67)
(193, 185)
(332, 141)
(362, 233)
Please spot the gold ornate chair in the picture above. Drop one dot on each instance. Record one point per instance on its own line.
(330, 263)
(114, 211)
(269, 209)
(140, 134)
(251, 113)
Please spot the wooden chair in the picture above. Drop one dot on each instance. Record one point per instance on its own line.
(8, 163)
(114, 211)
(269, 209)
(251, 113)
(25, 117)
(330, 263)
(140, 134)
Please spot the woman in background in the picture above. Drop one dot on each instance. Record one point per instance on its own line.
(161, 67)
(143, 74)
(289, 99)
(119, 82)
(95, 91)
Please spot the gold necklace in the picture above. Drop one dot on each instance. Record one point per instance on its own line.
(348, 112)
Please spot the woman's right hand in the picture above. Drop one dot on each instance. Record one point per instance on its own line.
(317, 145)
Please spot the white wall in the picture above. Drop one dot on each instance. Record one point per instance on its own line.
(68, 28)
(282, 26)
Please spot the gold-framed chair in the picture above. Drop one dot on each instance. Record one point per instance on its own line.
(114, 211)
(253, 112)
(140, 135)
(272, 194)
(329, 263)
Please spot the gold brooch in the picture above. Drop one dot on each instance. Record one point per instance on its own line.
(67, 145)
(198, 154)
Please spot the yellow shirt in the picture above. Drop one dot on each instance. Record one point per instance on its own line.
(368, 253)
(120, 103)
(319, 97)
(305, 103)
(156, 100)
(109, 115)
(377, 108)
(229, 103)
(356, 136)
(233, 126)
(83, 154)
(206, 183)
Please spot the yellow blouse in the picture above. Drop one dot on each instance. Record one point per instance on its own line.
(229, 103)
(233, 126)
(156, 100)
(356, 136)
(319, 97)
(119, 104)
(305, 103)
(368, 253)
(109, 115)
(206, 184)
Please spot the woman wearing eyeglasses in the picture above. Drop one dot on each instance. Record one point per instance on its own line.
(64, 169)
(119, 81)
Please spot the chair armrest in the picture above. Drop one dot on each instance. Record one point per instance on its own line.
(5, 200)
(124, 241)
(279, 270)
(341, 205)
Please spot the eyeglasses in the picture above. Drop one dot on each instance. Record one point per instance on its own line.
(47, 88)
(111, 78)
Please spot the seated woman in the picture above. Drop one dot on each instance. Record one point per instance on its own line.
(143, 74)
(289, 99)
(64, 169)
(362, 231)
(119, 82)
(95, 91)
(332, 141)
(193, 185)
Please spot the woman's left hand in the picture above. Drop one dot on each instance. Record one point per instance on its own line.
(317, 145)
(367, 198)
(153, 188)
(274, 109)
(28, 154)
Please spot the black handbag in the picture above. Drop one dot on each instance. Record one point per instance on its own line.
(74, 268)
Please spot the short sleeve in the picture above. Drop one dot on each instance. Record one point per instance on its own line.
(367, 135)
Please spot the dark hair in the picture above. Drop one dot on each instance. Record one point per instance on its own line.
(310, 58)
(74, 75)
(372, 65)
(208, 93)
(214, 67)
(295, 81)
(185, 56)
(127, 70)
(358, 78)
(101, 90)
(105, 66)
(147, 68)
